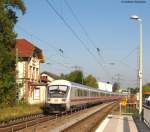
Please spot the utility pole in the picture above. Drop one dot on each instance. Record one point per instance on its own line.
(140, 72)
(118, 79)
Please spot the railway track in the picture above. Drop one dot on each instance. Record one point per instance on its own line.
(34, 121)
(20, 119)
(20, 123)
(69, 122)
(90, 123)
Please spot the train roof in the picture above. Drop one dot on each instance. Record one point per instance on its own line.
(69, 83)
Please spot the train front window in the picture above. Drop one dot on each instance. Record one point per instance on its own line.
(58, 91)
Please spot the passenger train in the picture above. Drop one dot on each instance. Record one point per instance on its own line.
(63, 95)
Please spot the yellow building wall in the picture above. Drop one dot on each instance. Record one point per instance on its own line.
(38, 97)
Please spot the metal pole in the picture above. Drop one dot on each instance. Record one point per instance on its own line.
(140, 70)
(140, 74)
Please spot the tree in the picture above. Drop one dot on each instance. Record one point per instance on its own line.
(74, 76)
(78, 77)
(115, 87)
(146, 88)
(133, 90)
(91, 81)
(8, 19)
(62, 76)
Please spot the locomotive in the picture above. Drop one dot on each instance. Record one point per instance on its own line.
(63, 95)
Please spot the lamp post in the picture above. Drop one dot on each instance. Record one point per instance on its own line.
(140, 73)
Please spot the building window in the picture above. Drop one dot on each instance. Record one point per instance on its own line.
(30, 72)
(37, 74)
(33, 74)
(36, 95)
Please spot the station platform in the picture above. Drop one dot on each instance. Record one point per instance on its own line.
(117, 123)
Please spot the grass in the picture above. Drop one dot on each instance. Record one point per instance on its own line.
(7, 113)
(136, 114)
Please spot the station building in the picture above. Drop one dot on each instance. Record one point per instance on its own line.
(105, 86)
(48, 77)
(28, 60)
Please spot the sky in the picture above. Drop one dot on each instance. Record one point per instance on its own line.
(98, 37)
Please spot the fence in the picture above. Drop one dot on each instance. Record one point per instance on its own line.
(128, 108)
(146, 115)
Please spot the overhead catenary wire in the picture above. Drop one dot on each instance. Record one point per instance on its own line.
(38, 38)
(80, 24)
(129, 54)
(84, 30)
(75, 34)
(59, 51)
(121, 61)
(89, 38)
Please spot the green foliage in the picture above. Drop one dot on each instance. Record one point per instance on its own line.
(115, 87)
(78, 77)
(8, 20)
(91, 81)
(21, 109)
(146, 88)
(74, 76)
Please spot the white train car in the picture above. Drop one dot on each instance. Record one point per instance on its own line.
(64, 95)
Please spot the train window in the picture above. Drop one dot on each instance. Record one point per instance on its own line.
(81, 92)
(99, 94)
(85, 93)
(96, 93)
(75, 91)
(53, 87)
(58, 91)
(63, 88)
(78, 93)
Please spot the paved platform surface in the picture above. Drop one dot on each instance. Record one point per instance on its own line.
(141, 126)
(117, 123)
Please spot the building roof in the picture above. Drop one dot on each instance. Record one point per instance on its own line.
(50, 74)
(27, 49)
